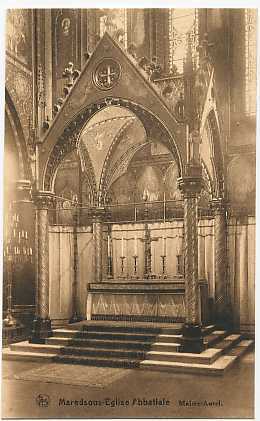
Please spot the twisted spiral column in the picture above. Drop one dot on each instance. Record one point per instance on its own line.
(191, 259)
(42, 324)
(220, 255)
(98, 218)
(190, 185)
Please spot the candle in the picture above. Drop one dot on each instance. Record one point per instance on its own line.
(178, 247)
(164, 246)
(122, 247)
(108, 246)
(135, 249)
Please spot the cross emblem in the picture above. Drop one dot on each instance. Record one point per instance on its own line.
(107, 74)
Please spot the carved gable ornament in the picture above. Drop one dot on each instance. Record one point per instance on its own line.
(109, 76)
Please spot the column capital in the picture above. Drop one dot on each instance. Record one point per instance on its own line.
(99, 214)
(190, 186)
(218, 205)
(191, 182)
(43, 199)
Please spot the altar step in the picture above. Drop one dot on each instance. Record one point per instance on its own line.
(191, 364)
(125, 345)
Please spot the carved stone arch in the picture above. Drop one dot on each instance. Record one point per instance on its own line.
(110, 174)
(208, 184)
(67, 142)
(88, 171)
(119, 169)
(218, 157)
(70, 137)
(23, 156)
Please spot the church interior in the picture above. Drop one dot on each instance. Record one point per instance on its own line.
(129, 187)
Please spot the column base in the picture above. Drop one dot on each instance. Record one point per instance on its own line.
(192, 340)
(224, 320)
(41, 330)
(75, 318)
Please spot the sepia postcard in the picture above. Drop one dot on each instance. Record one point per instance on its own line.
(129, 222)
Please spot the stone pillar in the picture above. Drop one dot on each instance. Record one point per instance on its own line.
(99, 258)
(75, 298)
(42, 323)
(220, 257)
(190, 185)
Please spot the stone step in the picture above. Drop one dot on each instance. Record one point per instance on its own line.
(132, 328)
(109, 343)
(241, 348)
(206, 330)
(206, 357)
(10, 355)
(168, 338)
(213, 337)
(29, 347)
(228, 342)
(97, 361)
(124, 324)
(103, 352)
(165, 346)
(218, 367)
(105, 335)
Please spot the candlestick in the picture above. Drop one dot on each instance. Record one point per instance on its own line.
(122, 247)
(109, 267)
(163, 257)
(135, 257)
(108, 245)
(122, 265)
(135, 246)
(164, 246)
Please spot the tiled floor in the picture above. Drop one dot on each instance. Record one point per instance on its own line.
(233, 395)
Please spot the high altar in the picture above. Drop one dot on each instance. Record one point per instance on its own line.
(131, 218)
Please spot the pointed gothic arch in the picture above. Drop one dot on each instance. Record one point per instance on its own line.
(18, 136)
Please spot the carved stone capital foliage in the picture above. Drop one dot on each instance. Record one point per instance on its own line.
(99, 214)
(190, 186)
(43, 199)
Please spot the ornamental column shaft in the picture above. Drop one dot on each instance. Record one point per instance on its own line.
(42, 323)
(98, 217)
(190, 185)
(191, 258)
(220, 257)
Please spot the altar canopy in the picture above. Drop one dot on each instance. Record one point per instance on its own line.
(143, 208)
